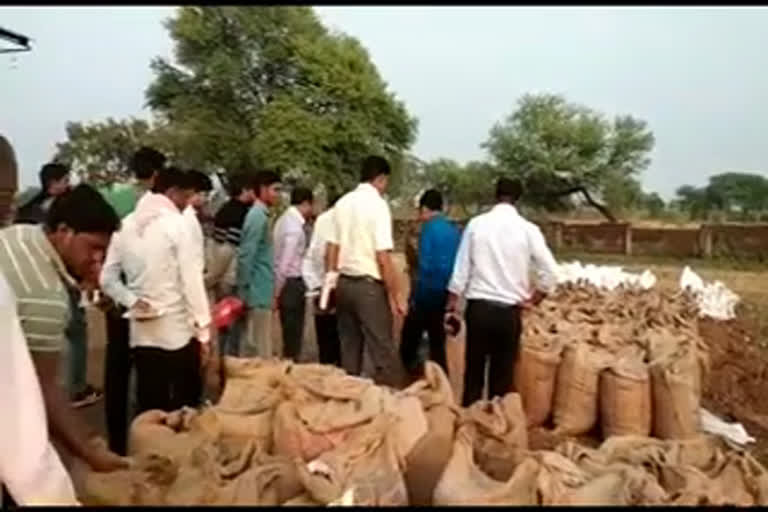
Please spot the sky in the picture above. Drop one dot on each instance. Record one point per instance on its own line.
(696, 75)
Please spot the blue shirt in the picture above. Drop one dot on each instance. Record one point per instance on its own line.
(438, 244)
(255, 271)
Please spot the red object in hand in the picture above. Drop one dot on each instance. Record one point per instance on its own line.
(227, 311)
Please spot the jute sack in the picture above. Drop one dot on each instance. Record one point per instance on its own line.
(164, 433)
(576, 399)
(268, 481)
(255, 368)
(426, 461)
(675, 384)
(502, 434)
(367, 463)
(535, 374)
(463, 483)
(146, 483)
(625, 399)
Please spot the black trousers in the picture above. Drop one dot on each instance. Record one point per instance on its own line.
(117, 373)
(168, 379)
(292, 307)
(328, 345)
(493, 337)
(416, 323)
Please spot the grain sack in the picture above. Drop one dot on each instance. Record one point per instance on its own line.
(676, 396)
(256, 427)
(426, 461)
(463, 483)
(146, 483)
(268, 481)
(367, 462)
(558, 477)
(254, 368)
(625, 399)
(576, 399)
(312, 382)
(198, 481)
(164, 433)
(306, 430)
(502, 434)
(534, 376)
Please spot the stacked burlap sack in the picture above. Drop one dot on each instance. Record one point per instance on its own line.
(628, 360)
(288, 434)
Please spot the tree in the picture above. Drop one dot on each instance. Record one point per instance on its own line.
(740, 194)
(272, 87)
(559, 149)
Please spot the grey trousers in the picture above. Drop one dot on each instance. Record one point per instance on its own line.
(365, 327)
(292, 308)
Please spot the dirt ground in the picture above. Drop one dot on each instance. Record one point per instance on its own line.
(739, 349)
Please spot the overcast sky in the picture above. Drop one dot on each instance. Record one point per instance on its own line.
(697, 75)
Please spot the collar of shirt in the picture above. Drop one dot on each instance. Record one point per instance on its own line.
(506, 209)
(297, 214)
(258, 203)
(368, 188)
(55, 259)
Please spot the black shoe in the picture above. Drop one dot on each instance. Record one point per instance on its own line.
(88, 396)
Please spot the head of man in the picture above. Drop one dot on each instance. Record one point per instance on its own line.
(80, 224)
(54, 179)
(202, 185)
(303, 200)
(508, 190)
(241, 189)
(376, 171)
(430, 204)
(8, 173)
(145, 164)
(176, 185)
(267, 186)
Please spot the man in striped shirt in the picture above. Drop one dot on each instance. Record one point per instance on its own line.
(41, 263)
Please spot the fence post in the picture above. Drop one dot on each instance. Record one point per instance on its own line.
(628, 239)
(706, 240)
(558, 238)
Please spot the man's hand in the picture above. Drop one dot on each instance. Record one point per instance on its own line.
(100, 459)
(205, 354)
(398, 306)
(141, 306)
(536, 297)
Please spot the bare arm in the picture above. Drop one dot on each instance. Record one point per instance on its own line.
(64, 423)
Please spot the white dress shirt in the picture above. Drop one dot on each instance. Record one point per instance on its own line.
(158, 269)
(313, 265)
(30, 468)
(196, 232)
(290, 243)
(496, 255)
(362, 227)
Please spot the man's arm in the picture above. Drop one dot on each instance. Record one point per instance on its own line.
(544, 263)
(110, 276)
(290, 245)
(384, 245)
(461, 269)
(193, 286)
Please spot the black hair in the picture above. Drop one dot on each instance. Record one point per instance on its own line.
(509, 190)
(373, 167)
(200, 181)
(171, 177)
(300, 195)
(52, 172)
(84, 210)
(432, 199)
(146, 161)
(265, 179)
(237, 183)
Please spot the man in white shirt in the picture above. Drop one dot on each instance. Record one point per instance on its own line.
(201, 185)
(164, 293)
(290, 239)
(313, 273)
(492, 272)
(367, 296)
(30, 468)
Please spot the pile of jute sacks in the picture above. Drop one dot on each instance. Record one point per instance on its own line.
(306, 434)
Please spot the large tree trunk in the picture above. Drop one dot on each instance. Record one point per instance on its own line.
(590, 200)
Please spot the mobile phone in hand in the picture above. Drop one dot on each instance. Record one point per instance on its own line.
(452, 325)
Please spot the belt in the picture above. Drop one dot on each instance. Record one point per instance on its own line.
(496, 304)
(361, 278)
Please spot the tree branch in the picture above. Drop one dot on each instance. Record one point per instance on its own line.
(587, 197)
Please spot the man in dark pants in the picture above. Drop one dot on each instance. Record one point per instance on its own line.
(438, 242)
(367, 295)
(290, 242)
(118, 360)
(313, 272)
(492, 270)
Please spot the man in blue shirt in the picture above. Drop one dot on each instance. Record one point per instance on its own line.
(438, 243)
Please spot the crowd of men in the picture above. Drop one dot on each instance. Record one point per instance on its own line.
(143, 246)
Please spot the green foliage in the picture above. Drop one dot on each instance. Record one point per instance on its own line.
(559, 148)
(272, 87)
(739, 196)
